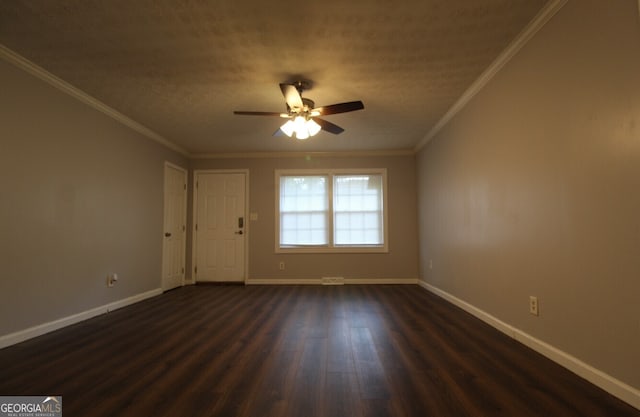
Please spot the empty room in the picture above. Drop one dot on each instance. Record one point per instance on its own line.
(365, 208)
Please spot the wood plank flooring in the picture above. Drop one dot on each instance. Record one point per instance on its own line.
(298, 351)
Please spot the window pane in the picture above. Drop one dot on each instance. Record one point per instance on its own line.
(358, 210)
(304, 206)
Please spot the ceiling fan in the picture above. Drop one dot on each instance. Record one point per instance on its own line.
(302, 115)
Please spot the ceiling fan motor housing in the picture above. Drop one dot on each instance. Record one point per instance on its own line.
(308, 105)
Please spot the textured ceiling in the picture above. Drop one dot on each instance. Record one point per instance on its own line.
(180, 68)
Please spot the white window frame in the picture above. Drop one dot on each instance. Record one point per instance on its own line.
(330, 247)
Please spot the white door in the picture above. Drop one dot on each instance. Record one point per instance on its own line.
(175, 220)
(220, 227)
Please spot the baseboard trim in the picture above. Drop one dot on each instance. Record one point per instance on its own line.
(608, 383)
(381, 281)
(39, 330)
(318, 281)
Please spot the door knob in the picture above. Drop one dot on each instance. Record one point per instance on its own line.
(167, 234)
(239, 232)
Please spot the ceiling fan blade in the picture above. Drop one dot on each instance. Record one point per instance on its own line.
(328, 126)
(291, 96)
(256, 113)
(340, 108)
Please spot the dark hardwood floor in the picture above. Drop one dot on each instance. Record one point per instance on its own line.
(299, 351)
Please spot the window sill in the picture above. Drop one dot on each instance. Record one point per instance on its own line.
(336, 249)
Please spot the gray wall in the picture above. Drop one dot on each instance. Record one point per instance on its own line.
(81, 196)
(402, 259)
(534, 189)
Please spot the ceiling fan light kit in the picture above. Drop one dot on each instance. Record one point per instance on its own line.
(301, 127)
(302, 114)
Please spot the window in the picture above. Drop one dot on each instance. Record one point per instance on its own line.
(331, 211)
(304, 211)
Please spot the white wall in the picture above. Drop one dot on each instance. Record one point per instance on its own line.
(534, 189)
(81, 196)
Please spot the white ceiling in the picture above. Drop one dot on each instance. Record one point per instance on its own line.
(180, 67)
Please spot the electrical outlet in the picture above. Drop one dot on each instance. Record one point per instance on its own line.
(111, 280)
(533, 305)
(282, 265)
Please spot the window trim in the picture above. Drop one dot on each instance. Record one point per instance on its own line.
(331, 247)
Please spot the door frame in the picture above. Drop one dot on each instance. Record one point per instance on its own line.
(247, 228)
(185, 199)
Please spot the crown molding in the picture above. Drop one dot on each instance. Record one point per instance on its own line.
(510, 51)
(309, 155)
(44, 75)
(532, 28)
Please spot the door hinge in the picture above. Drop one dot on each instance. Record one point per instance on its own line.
(185, 186)
(195, 270)
(183, 269)
(196, 227)
(184, 228)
